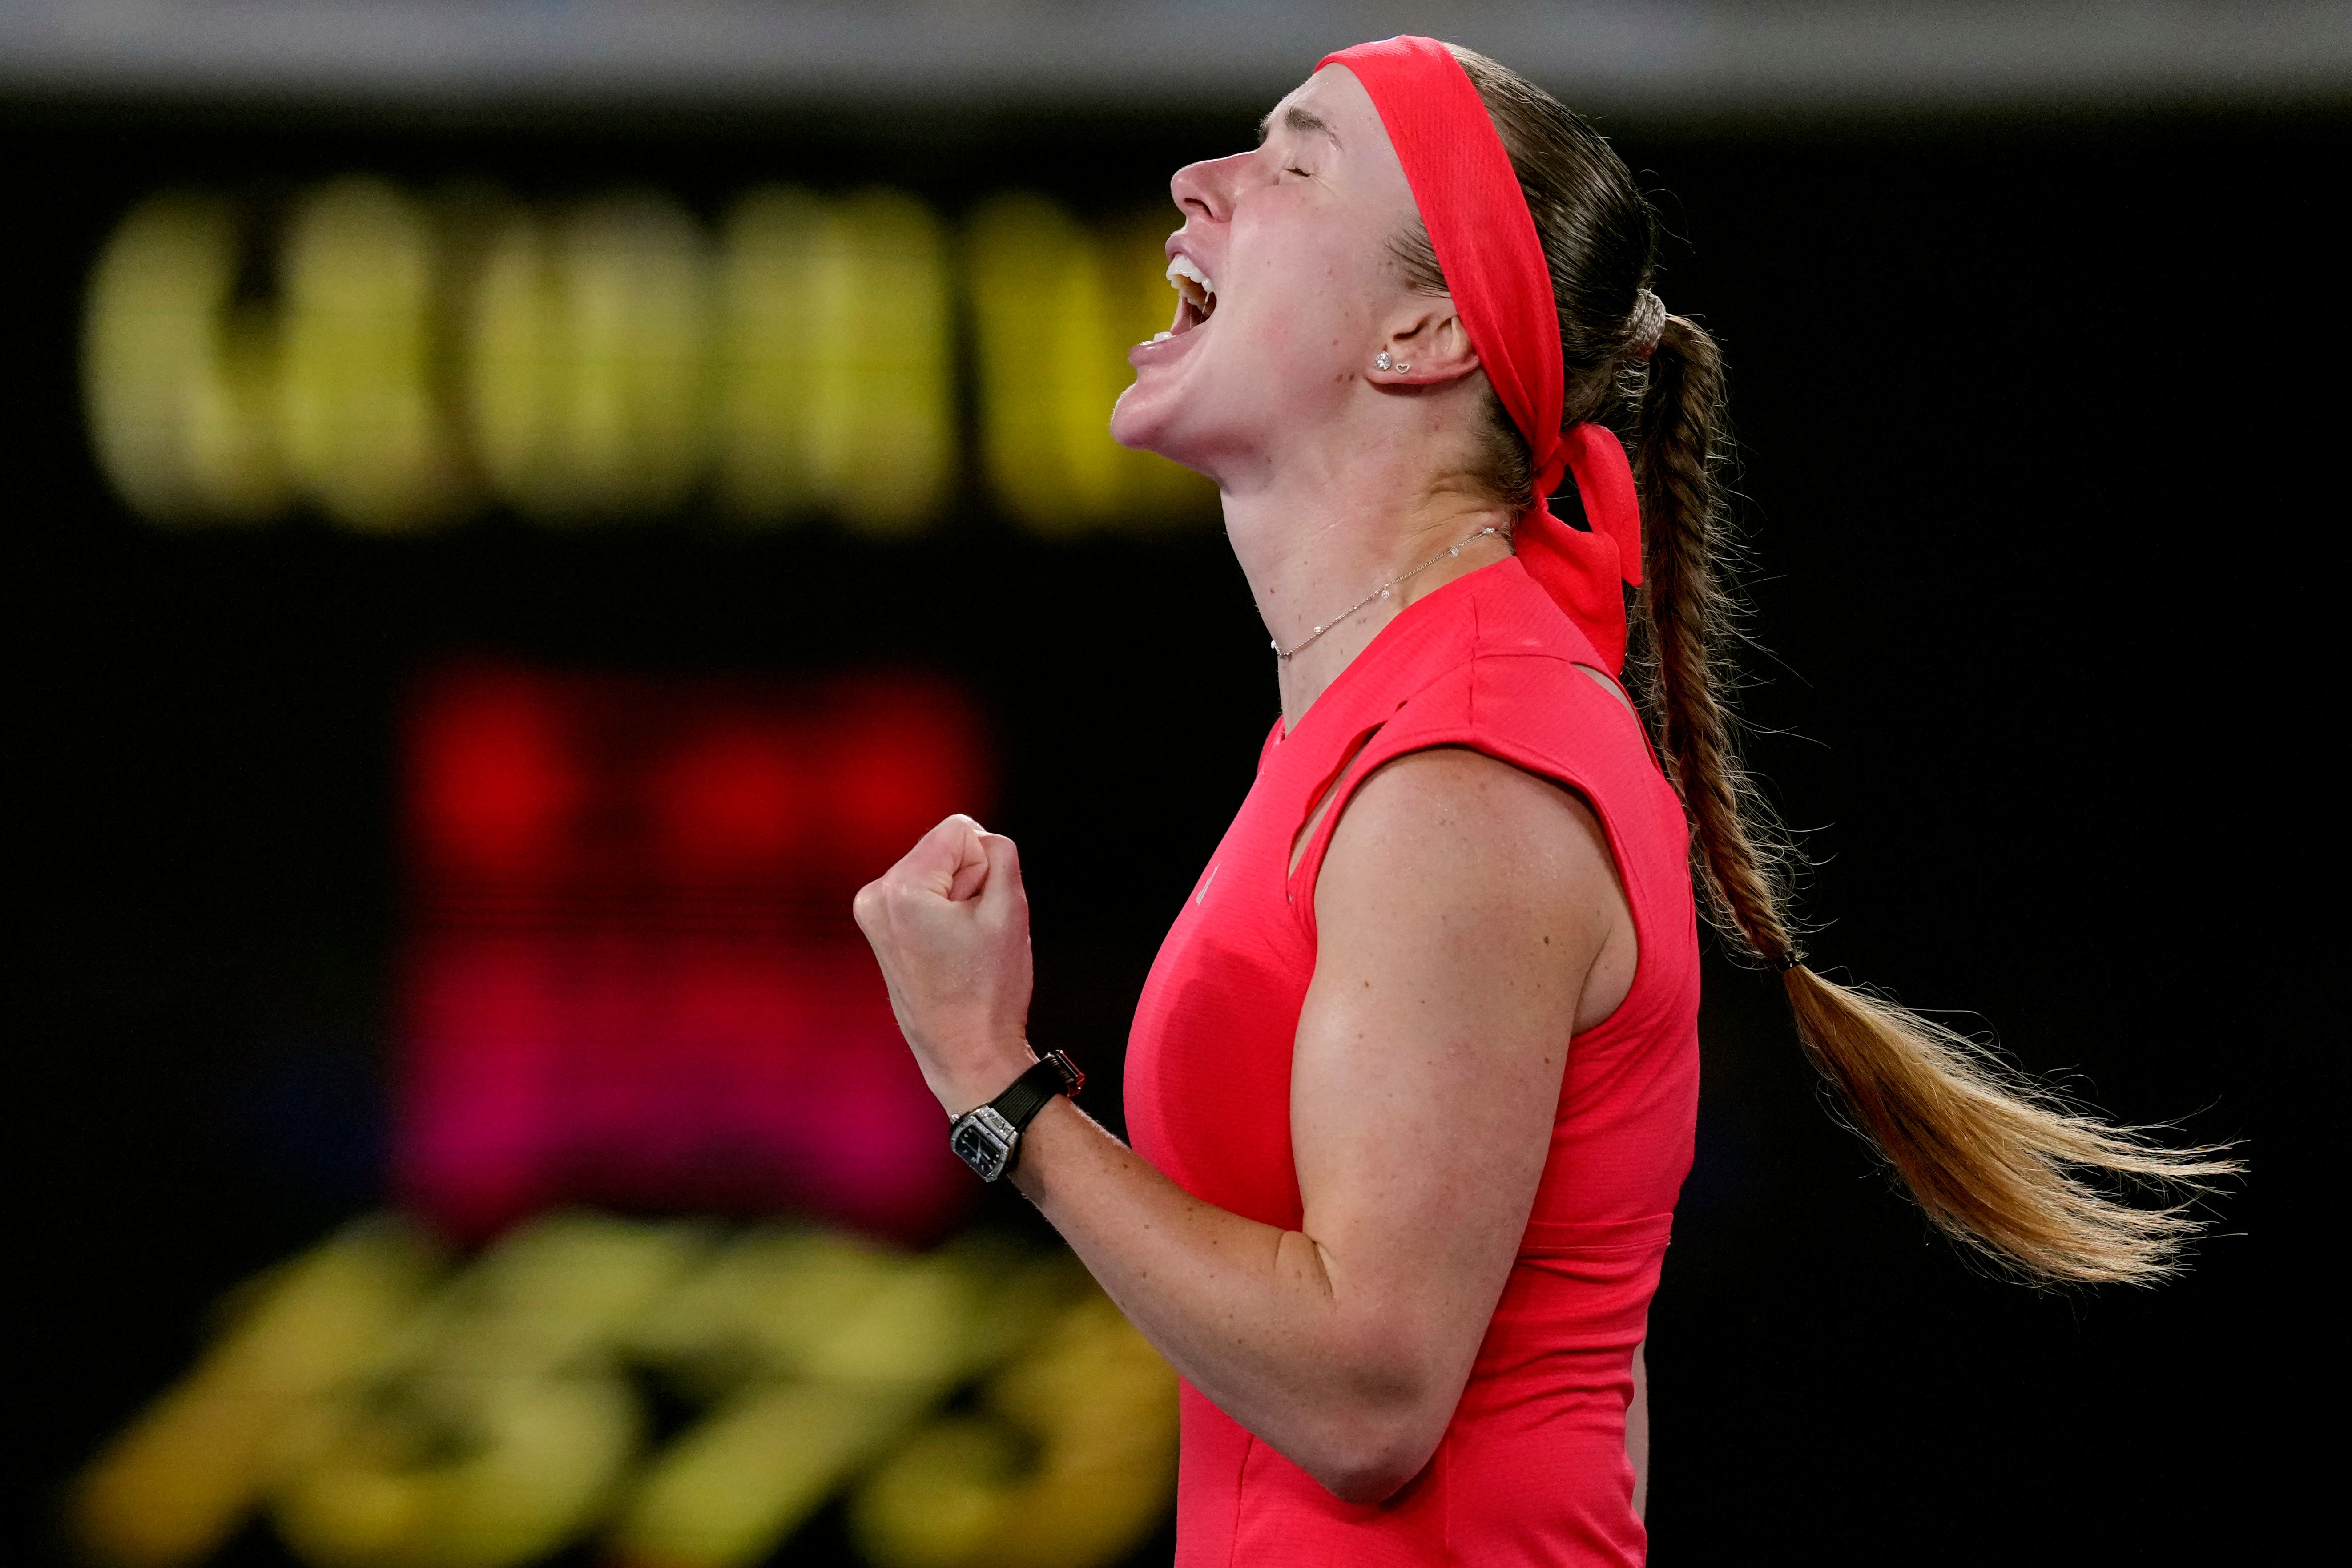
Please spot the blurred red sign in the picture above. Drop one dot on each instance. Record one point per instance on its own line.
(633, 979)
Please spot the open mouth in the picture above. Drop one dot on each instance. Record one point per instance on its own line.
(1196, 298)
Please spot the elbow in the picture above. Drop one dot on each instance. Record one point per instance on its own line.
(1385, 1397)
(1369, 1486)
(1371, 1473)
(1369, 1456)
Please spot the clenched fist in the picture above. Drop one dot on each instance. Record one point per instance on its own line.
(950, 923)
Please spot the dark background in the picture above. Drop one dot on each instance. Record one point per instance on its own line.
(2018, 402)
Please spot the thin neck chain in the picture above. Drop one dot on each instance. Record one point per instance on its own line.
(1381, 592)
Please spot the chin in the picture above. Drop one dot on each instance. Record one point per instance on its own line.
(1145, 419)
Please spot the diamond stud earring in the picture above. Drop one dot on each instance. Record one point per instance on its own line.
(1382, 361)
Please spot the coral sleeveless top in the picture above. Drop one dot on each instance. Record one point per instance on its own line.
(1532, 1469)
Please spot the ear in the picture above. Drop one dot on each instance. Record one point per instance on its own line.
(1427, 338)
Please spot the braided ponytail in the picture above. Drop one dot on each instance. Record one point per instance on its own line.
(1996, 1159)
(1680, 622)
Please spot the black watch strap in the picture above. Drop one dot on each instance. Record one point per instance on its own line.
(1054, 1074)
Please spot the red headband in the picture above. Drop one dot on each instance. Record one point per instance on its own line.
(1486, 242)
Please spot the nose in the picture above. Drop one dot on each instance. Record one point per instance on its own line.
(1206, 189)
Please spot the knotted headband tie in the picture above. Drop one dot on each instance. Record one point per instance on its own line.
(1486, 246)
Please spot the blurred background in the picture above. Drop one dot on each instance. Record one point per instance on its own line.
(521, 506)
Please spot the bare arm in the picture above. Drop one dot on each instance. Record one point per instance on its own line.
(1470, 921)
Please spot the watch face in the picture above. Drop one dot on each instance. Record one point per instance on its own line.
(984, 1141)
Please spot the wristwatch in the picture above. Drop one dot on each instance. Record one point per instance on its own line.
(988, 1137)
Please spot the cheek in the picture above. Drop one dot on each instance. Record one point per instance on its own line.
(1299, 317)
(1308, 288)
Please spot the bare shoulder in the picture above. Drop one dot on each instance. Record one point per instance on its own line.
(1465, 810)
(1457, 850)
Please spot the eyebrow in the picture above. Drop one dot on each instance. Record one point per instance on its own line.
(1301, 122)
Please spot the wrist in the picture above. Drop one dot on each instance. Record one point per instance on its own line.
(988, 1077)
(988, 1137)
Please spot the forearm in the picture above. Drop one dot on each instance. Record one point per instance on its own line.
(1425, 1068)
(1246, 1311)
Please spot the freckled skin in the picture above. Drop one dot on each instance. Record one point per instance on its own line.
(1419, 1133)
(1469, 914)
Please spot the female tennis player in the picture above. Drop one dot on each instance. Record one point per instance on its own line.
(1412, 1083)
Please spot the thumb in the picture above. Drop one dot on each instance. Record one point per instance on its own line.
(947, 861)
(972, 867)
(1004, 871)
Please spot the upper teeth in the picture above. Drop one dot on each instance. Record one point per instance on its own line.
(1185, 268)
